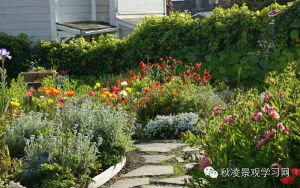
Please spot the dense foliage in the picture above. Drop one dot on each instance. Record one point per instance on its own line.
(252, 4)
(257, 131)
(227, 41)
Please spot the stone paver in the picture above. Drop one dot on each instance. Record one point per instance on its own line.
(158, 147)
(126, 183)
(157, 186)
(150, 170)
(174, 181)
(180, 159)
(157, 158)
(190, 149)
(189, 166)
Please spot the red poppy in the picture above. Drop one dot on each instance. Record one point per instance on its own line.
(69, 94)
(91, 93)
(108, 104)
(287, 180)
(295, 171)
(179, 62)
(132, 74)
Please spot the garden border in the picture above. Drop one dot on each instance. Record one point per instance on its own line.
(107, 174)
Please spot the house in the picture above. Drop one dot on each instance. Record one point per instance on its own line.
(68, 19)
(194, 6)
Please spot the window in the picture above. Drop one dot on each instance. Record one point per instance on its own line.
(198, 4)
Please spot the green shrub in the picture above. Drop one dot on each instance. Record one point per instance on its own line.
(252, 4)
(257, 131)
(21, 52)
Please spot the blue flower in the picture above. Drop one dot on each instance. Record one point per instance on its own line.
(4, 53)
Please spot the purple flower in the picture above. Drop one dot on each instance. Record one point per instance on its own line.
(273, 13)
(4, 53)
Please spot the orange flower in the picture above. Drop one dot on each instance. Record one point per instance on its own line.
(146, 88)
(45, 90)
(61, 104)
(69, 94)
(174, 94)
(168, 108)
(108, 104)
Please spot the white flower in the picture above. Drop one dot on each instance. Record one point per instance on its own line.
(124, 83)
(123, 93)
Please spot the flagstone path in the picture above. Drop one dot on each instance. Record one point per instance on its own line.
(166, 165)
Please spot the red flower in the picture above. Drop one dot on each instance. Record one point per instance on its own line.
(149, 64)
(173, 65)
(287, 180)
(170, 58)
(160, 59)
(108, 104)
(142, 66)
(31, 90)
(170, 74)
(206, 74)
(115, 89)
(202, 63)
(163, 78)
(91, 93)
(132, 74)
(69, 94)
(295, 171)
(188, 67)
(205, 83)
(179, 62)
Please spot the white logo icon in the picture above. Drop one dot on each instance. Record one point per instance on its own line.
(209, 171)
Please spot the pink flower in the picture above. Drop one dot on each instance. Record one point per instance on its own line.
(216, 111)
(274, 115)
(231, 118)
(267, 97)
(273, 13)
(282, 94)
(286, 131)
(257, 116)
(267, 108)
(280, 126)
(205, 161)
(31, 90)
(28, 93)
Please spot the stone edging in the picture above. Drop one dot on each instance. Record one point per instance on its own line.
(107, 174)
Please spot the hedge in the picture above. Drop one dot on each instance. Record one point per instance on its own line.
(226, 41)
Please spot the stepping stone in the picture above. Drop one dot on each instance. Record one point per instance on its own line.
(173, 181)
(158, 147)
(157, 158)
(126, 183)
(150, 170)
(189, 166)
(156, 186)
(190, 149)
(180, 159)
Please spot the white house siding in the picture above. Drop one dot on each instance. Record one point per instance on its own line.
(102, 10)
(73, 10)
(31, 17)
(124, 31)
(141, 6)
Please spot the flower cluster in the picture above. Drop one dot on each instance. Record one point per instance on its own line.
(257, 116)
(271, 111)
(231, 118)
(268, 135)
(205, 161)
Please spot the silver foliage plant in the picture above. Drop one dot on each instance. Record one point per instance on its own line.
(171, 126)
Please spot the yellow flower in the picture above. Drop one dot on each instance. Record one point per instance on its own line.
(50, 101)
(128, 89)
(14, 103)
(95, 87)
(103, 96)
(98, 84)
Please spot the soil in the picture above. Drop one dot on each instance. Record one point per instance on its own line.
(134, 160)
